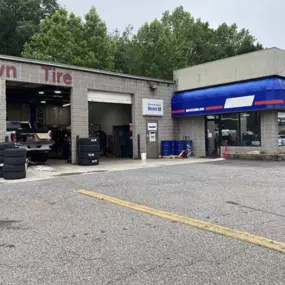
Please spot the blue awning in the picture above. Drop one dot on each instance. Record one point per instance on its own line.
(254, 95)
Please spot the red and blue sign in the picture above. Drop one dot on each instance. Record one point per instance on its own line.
(268, 93)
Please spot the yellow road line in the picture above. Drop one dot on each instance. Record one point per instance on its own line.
(221, 230)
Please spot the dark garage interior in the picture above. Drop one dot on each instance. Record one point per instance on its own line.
(112, 123)
(46, 108)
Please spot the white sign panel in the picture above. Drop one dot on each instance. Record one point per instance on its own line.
(152, 137)
(152, 107)
(239, 102)
(152, 126)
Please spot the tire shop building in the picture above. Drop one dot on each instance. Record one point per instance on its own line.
(123, 108)
(239, 101)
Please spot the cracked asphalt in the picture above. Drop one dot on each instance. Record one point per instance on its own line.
(50, 234)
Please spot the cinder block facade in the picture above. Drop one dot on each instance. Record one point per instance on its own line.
(194, 128)
(81, 80)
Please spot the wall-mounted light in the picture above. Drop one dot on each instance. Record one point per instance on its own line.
(66, 105)
(153, 86)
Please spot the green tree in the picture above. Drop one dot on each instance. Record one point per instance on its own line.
(153, 46)
(99, 44)
(124, 51)
(65, 38)
(19, 20)
(178, 40)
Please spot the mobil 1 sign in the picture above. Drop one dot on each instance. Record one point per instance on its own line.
(152, 107)
(152, 126)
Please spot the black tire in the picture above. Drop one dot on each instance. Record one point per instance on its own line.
(7, 145)
(15, 175)
(16, 152)
(89, 141)
(1, 172)
(1, 159)
(15, 160)
(88, 162)
(89, 148)
(89, 155)
(14, 168)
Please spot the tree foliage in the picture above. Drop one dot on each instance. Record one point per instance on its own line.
(178, 40)
(175, 41)
(65, 38)
(19, 20)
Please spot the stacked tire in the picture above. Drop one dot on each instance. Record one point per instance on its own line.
(4, 146)
(14, 164)
(88, 151)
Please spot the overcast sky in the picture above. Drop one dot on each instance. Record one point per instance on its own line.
(264, 18)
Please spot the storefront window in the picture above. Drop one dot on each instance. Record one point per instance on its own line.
(241, 129)
(281, 127)
(250, 129)
(230, 126)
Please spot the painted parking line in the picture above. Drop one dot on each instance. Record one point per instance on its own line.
(214, 228)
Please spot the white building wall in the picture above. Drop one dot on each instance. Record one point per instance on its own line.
(249, 66)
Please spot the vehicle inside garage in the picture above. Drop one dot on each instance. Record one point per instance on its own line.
(110, 119)
(44, 112)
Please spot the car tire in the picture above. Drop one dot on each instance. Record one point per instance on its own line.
(88, 162)
(14, 175)
(88, 141)
(16, 152)
(7, 145)
(15, 160)
(89, 148)
(14, 168)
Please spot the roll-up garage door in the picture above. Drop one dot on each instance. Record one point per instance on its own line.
(109, 97)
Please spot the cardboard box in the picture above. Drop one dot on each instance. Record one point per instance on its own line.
(42, 137)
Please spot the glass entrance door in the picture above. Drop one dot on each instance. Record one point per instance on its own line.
(213, 135)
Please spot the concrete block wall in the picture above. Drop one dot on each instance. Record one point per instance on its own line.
(84, 80)
(194, 128)
(269, 131)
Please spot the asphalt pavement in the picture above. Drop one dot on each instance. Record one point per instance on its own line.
(51, 234)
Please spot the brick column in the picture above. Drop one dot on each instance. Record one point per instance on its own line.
(3, 111)
(269, 131)
(79, 116)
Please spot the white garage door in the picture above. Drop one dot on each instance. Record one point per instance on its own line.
(109, 97)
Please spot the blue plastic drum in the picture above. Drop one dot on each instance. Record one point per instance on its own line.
(173, 146)
(165, 148)
(180, 146)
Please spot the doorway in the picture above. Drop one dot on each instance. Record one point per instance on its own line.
(152, 139)
(213, 134)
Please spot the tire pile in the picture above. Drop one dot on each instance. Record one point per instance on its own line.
(13, 162)
(88, 151)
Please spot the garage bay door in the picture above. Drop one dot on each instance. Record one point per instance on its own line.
(109, 97)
